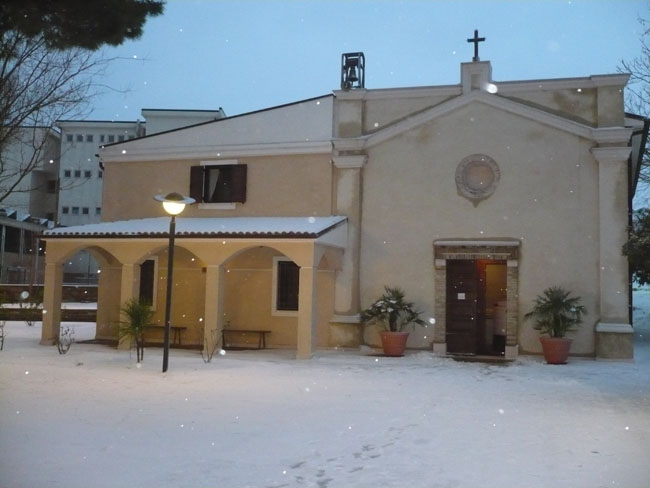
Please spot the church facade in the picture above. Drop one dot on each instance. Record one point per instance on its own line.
(473, 198)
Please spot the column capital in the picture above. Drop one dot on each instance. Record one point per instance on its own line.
(350, 162)
(611, 154)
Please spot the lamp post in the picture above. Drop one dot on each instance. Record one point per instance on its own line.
(173, 203)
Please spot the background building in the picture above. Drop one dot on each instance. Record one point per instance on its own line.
(65, 186)
(29, 185)
(81, 176)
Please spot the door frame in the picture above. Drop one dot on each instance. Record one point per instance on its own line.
(471, 249)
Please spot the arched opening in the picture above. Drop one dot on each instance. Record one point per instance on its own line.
(188, 294)
(57, 255)
(261, 293)
(81, 269)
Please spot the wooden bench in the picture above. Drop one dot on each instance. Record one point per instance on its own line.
(175, 329)
(261, 335)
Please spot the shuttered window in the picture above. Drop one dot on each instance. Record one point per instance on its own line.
(147, 281)
(219, 183)
(288, 284)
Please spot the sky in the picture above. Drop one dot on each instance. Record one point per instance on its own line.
(248, 55)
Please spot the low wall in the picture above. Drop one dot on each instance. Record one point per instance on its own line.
(35, 315)
(71, 293)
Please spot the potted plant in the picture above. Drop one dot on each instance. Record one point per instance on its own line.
(392, 312)
(556, 313)
(138, 316)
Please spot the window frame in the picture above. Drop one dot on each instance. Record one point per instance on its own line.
(275, 286)
(197, 183)
(154, 283)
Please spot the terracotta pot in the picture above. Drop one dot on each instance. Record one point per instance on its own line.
(556, 349)
(393, 343)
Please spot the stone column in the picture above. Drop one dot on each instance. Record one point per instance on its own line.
(307, 297)
(128, 290)
(440, 308)
(614, 338)
(512, 309)
(213, 311)
(53, 291)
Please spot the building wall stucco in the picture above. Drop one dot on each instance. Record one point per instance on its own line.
(271, 187)
(381, 112)
(545, 198)
(580, 105)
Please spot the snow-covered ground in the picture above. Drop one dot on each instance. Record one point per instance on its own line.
(91, 418)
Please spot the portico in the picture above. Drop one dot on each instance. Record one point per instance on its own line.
(207, 248)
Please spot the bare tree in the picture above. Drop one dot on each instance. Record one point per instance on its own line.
(38, 85)
(47, 70)
(638, 89)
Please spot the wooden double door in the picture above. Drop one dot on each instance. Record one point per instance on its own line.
(470, 316)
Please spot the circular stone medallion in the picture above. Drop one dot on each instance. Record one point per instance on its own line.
(477, 176)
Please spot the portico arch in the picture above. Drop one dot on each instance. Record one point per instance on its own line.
(55, 257)
(205, 250)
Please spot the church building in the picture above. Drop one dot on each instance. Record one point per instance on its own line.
(473, 198)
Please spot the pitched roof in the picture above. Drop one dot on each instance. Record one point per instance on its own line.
(217, 227)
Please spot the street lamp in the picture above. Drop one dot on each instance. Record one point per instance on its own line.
(173, 203)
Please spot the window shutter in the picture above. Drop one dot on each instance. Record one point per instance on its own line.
(239, 183)
(196, 183)
(147, 280)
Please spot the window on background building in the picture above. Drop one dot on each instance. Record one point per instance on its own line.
(67, 173)
(286, 281)
(51, 186)
(80, 137)
(98, 210)
(88, 173)
(65, 210)
(111, 138)
(89, 138)
(77, 173)
(120, 138)
(100, 174)
(85, 211)
(75, 210)
(224, 183)
(12, 239)
(69, 137)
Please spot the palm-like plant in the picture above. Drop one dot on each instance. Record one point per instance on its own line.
(555, 312)
(392, 311)
(138, 316)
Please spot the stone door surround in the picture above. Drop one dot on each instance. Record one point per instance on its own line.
(472, 249)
